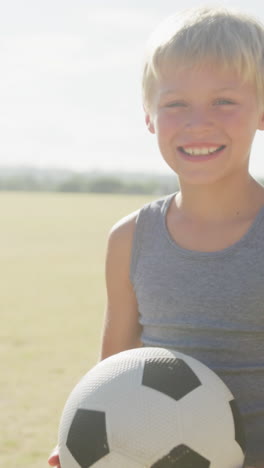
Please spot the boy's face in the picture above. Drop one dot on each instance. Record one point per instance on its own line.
(205, 120)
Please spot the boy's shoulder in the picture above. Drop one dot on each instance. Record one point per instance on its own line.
(126, 223)
(122, 233)
(124, 229)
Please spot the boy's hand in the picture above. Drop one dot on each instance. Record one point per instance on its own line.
(54, 458)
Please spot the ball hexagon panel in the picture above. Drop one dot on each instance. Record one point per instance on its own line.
(87, 437)
(103, 382)
(116, 460)
(203, 430)
(170, 376)
(146, 429)
(182, 457)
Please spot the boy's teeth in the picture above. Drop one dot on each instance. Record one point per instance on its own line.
(200, 151)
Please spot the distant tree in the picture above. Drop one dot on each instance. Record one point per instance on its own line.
(106, 185)
(72, 184)
(141, 188)
(16, 182)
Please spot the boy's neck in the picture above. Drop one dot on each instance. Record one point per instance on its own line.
(220, 202)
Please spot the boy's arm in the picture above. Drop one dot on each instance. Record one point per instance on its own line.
(121, 327)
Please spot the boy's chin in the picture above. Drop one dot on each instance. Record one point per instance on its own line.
(199, 179)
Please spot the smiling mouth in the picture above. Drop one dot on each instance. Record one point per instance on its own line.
(201, 151)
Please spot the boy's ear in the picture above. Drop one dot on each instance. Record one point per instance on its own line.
(149, 122)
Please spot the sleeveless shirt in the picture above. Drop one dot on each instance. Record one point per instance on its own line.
(209, 305)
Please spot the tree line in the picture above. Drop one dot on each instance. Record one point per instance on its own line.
(66, 181)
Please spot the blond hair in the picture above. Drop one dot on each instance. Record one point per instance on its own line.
(206, 34)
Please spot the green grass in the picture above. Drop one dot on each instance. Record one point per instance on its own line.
(52, 249)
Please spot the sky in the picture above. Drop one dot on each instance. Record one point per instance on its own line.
(70, 83)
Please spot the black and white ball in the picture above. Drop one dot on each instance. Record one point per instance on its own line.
(151, 408)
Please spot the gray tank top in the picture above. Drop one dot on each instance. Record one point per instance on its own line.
(209, 305)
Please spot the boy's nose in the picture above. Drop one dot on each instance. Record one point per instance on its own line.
(199, 119)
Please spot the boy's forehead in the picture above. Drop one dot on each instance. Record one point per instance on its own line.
(201, 80)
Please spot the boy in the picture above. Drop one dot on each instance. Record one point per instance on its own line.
(186, 272)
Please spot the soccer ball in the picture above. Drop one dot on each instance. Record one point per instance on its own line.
(151, 408)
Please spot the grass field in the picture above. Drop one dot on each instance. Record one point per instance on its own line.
(52, 300)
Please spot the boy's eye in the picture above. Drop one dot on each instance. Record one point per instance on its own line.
(223, 102)
(176, 104)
